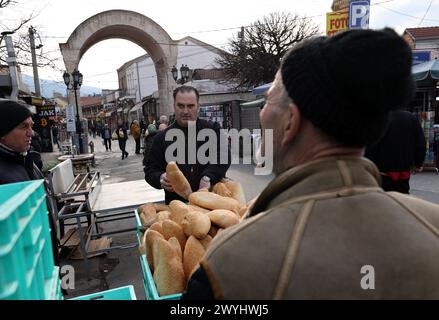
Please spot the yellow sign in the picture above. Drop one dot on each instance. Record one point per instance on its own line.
(337, 21)
(43, 122)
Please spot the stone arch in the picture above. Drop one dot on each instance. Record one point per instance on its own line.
(134, 27)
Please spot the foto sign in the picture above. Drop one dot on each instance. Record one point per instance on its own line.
(359, 14)
(336, 21)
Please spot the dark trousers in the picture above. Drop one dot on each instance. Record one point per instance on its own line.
(402, 186)
(137, 145)
(107, 144)
(122, 145)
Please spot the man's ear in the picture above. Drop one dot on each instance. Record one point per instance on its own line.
(292, 123)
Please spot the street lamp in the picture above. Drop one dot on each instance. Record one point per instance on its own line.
(77, 82)
(184, 72)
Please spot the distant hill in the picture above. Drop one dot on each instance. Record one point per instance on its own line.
(49, 86)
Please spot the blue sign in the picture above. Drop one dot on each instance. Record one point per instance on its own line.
(359, 14)
(420, 57)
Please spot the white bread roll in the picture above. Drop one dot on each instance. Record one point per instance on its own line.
(178, 181)
(212, 201)
(178, 210)
(192, 255)
(196, 224)
(223, 218)
(168, 274)
(172, 229)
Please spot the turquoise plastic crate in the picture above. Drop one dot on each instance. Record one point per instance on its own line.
(26, 258)
(52, 286)
(148, 280)
(122, 293)
(138, 226)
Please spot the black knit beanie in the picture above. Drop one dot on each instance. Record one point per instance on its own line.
(11, 115)
(347, 84)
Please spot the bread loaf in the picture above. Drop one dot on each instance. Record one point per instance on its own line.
(221, 189)
(223, 218)
(237, 191)
(142, 246)
(163, 215)
(206, 241)
(168, 274)
(176, 246)
(193, 253)
(193, 207)
(150, 237)
(157, 226)
(172, 229)
(178, 211)
(196, 224)
(213, 201)
(178, 181)
(148, 215)
(161, 207)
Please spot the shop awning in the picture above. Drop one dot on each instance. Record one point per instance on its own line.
(137, 106)
(427, 73)
(261, 89)
(258, 103)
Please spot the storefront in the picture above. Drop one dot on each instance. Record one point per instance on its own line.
(221, 113)
(426, 108)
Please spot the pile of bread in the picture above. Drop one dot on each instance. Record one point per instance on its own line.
(178, 235)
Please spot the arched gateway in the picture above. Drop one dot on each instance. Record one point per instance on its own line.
(132, 26)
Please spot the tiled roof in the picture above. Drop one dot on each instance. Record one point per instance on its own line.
(91, 101)
(428, 32)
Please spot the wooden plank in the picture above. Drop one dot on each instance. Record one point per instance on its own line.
(98, 244)
(125, 194)
(65, 240)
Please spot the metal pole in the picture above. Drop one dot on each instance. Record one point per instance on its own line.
(34, 62)
(12, 62)
(78, 124)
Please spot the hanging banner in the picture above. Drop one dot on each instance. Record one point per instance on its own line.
(337, 21)
(70, 119)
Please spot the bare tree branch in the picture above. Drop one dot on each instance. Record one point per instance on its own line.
(255, 58)
(5, 3)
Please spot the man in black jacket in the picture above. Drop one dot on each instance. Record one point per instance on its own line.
(186, 109)
(400, 150)
(16, 163)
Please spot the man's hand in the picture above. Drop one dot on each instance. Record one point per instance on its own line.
(165, 183)
(204, 184)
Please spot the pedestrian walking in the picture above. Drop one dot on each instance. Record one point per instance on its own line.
(400, 151)
(106, 135)
(135, 132)
(122, 137)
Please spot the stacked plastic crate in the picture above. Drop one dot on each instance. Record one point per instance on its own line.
(26, 259)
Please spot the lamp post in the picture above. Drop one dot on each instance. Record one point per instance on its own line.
(184, 72)
(77, 82)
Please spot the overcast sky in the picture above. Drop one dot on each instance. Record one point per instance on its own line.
(197, 18)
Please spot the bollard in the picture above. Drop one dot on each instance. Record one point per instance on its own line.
(92, 147)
